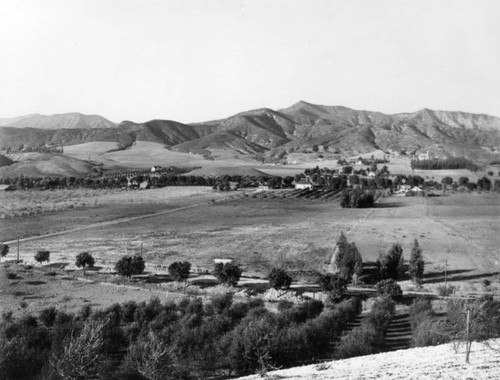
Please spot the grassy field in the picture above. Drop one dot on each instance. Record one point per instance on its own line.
(199, 225)
(185, 223)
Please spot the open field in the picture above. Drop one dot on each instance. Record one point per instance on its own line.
(460, 228)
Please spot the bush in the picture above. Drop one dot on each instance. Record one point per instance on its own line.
(445, 291)
(84, 260)
(42, 256)
(426, 329)
(390, 288)
(228, 273)
(279, 279)
(179, 270)
(369, 337)
(128, 266)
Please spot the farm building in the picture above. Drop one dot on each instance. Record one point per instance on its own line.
(303, 184)
(415, 192)
(423, 156)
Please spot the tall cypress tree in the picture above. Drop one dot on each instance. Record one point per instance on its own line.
(416, 267)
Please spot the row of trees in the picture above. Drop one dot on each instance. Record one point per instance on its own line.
(357, 198)
(449, 163)
(151, 340)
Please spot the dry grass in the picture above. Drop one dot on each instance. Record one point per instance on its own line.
(30, 203)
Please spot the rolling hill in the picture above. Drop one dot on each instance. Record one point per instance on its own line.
(266, 134)
(67, 121)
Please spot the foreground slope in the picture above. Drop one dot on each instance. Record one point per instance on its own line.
(438, 362)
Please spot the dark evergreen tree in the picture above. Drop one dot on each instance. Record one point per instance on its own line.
(416, 265)
(391, 264)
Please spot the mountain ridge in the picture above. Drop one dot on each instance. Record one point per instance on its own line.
(265, 133)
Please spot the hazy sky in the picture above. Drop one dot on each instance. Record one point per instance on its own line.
(190, 60)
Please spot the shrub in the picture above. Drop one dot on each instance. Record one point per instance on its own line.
(48, 316)
(279, 279)
(42, 256)
(445, 291)
(84, 260)
(11, 276)
(227, 273)
(128, 266)
(390, 288)
(369, 337)
(426, 329)
(179, 270)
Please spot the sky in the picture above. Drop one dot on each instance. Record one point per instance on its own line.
(199, 60)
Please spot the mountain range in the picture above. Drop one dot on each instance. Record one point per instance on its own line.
(269, 134)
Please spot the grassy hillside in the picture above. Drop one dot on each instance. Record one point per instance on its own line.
(439, 362)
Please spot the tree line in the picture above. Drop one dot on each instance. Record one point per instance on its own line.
(441, 164)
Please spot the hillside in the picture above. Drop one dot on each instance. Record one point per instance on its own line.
(5, 161)
(270, 135)
(67, 121)
(426, 363)
(47, 165)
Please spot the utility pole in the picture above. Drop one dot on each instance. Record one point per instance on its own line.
(18, 248)
(446, 276)
(468, 344)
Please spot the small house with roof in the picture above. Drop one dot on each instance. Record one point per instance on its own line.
(303, 184)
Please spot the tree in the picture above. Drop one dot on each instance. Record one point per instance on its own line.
(81, 353)
(279, 279)
(391, 264)
(484, 184)
(128, 266)
(447, 181)
(472, 320)
(416, 267)
(4, 249)
(463, 181)
(334, 284)
(152, 357)
(345, 199)
(227, 273)
(390, 288)
(179, 270)
(84, 260)
(348, 259)
(42, 256)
